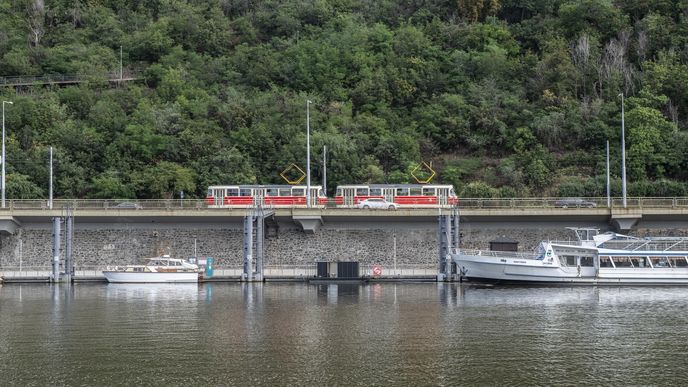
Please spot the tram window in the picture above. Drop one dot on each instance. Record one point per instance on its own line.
(452, 193)
(339, 192)
(298, 192)
(415, 191)
(273, 192)
(285, 192)
(605, 262)
(361, 191)
(210, 192)
(586, 261)
(376, 192)
(232, 191)
(402, 191)
(245, 192)
(428, 192)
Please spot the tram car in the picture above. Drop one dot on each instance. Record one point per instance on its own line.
(273, 196)
(404, 195)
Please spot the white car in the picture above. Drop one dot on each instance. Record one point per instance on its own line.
(129, 206)
(378, 203)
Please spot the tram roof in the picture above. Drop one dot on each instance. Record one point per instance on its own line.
(264, 186)
(395, 186)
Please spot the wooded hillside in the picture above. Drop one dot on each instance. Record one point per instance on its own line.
(504, 98)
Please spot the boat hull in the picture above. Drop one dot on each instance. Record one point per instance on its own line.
(510, 270)
(150, 277)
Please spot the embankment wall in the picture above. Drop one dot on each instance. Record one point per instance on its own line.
(103, 244)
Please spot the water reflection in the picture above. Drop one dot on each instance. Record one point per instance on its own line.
(334, 293)
(333, 334)
(151, 291)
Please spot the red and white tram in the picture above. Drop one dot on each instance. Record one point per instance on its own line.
(405, 195)
(267, 195)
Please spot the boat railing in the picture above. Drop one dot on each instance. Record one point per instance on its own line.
(500, 254)
(570, 242)
(648, 245)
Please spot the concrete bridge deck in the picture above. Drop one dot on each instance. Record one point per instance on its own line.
(668, 210)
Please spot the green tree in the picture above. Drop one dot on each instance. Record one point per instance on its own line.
(163, 180)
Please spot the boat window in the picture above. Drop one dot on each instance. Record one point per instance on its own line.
(361, 191)
(622, 262)
(568, 260)
(586, 261)
(640, 262)
(606, 262)
(660, 262)
(678, 261)
(376, 192)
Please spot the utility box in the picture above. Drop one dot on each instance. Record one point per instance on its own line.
(504, 244)
(339, 270)
(209, 267)
(348, 270)
(322, 271)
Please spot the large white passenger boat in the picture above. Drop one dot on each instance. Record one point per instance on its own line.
(595, 259)
(156, 270)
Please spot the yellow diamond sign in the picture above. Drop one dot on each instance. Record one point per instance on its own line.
(293, 174)
(425, 171)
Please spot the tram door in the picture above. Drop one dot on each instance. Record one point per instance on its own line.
(348, 194)
(258, 196)
(314, 195)
(218, 196)
(442, 195)
(389, 194)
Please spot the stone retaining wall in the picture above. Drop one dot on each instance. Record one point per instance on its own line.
(99, 245)
(94, 246)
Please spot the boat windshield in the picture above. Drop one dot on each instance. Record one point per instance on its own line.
(541, 251)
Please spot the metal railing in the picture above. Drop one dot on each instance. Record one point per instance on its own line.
(499, 254)
(270, 271)
(21, 80)
(401, 270)
(464, 203)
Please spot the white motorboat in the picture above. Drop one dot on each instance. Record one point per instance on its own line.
(156, 270)
(594, 259)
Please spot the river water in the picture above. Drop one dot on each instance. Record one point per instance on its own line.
(368, 334)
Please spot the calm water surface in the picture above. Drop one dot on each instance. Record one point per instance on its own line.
(376, 334)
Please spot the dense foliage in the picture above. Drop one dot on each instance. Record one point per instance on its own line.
(504, 98)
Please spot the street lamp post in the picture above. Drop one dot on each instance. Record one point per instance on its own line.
(3, 151)
(121, 73)
(50, 191)
(623, 153)
(308, 154)
(609, 198)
